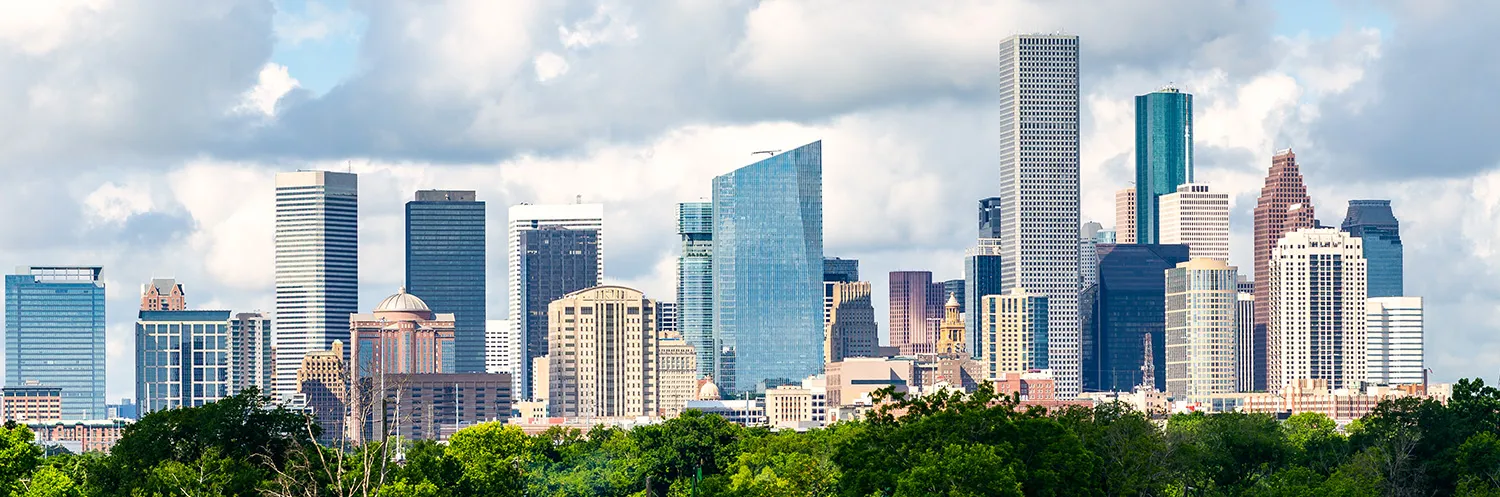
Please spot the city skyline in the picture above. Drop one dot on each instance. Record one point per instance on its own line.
(212, 213)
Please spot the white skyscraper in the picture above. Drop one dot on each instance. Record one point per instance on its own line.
(1200, 328)
(528, 303)
(317, 267)
(1394, 346)
(1244, 341)
(1039, 187)
(496, 348)
(1197, 217)
(1318, 306)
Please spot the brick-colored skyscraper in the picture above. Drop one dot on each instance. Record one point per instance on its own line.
(1283, 207)
(163, 294)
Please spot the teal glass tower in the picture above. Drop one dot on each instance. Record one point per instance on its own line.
(768, 271)
(695, 281)
(54, 334)
(1163, 155)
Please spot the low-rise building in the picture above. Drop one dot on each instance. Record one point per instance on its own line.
(430, 406)
(79, 436)
(742, 412)
(798, 407)
(31, 402)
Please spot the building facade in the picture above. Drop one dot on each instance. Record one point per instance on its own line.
(252, 363)
(1130, 317)
(916, 306)
(1198, 217)
(1318, 309)
(1125, 212)
(666, 316)
(695, 281)
(768, 270)
(1163, 155)
(182, 359)
(323, 390)
(989, 218)
(54, 334)
(952, 340)
(1016, 329)
(1374, 224)
(604, 358)
(1200, 328)
(852, 331)
(431, 406)
(445, 264)
(402, 336)
(836, 270)
(982, 268)
(1394, 327)
(554, 250)
(1244, 341)
(317, 267)
(1039, 186)
(1283, 207)
(676, 372)
(163, 294)
(798, 407)
(495, 332)
(32, 402)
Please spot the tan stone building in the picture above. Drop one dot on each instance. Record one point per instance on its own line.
(798, 407)
(1125, 215)
(677, 368)
(851, 330)
(606, 357)
(322, 388)
(1015, 325)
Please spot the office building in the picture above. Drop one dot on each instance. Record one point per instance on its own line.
(182, 359)
(768, 271)
(402, 336)
(97, 435)
(495, 351)
(981, 279)
(916, 305)
(554, 250)
(323, 389)
(955, 289)
(835, 271)
(430, 406)
(1317, 309)
(32, 402)
(798, 407)
(1016, 329)
(1039, 186)
(1283, 207)
(989, 218)
(1374, 224)
(252, 360)
(317, 267)
(1125, 212)
(695, 281)
(1395, 342)
(1163, 155)
(952, 340)
(1105, 236)
(1198, 217)
(126, 409)
(54, 334)
(445, 265)
(676, 373)
(666, 316)
(1200, 328)
(1244, 341)
(1130, 317)
(605, 356)
(852, 331)
(163, 294)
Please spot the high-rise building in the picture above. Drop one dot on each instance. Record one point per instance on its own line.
(182, 359)
(1394, 326)
(1200, 331)
(835, 271)
(54, 334)
(495, 350)
(1283, 207)
(955, 289)
(676, 373)
(163, 294)
(401, 336)
(1163, 155)
(1244, 341)
(982, 268)
(1039, 186)
(554, 250)
(916, 310)
(852, 331)
(252, 356)
(317, 267)
(768, 271)
(989, 217)
(1088, 293)
(666, 316)
(1016, 329)
(1125, 212)
(605, 356)
(445, 265)
(322, 387)
(1317, 309)
(695, 282)
(1129, 308)
(32, 402)
(430, 406)
(1374, 224)
(1198, 217)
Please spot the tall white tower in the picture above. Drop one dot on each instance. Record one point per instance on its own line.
(1394, 344)
(317, 267)
(1198, 217)
(528, 305)
(1317, 301)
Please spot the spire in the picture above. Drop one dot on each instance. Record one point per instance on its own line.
(952, 300)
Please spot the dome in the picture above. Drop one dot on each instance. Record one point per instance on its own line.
(403, 302)
(707, 390)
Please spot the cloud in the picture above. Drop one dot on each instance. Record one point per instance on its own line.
(274, 83)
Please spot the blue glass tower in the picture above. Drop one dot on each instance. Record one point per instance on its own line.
(768, 271)
(54, 334)
(981, 279)
(1129, 306)
(445, 266)
(1375, 225)
(1163, 155)
(182, 359)
(695, 281)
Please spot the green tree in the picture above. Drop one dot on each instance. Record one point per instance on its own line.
(18, 456)
(492, 459)
(789, 464)
(1225, 451)
(1315, 441)
(48, 482)
(961, 471)
(677, 448)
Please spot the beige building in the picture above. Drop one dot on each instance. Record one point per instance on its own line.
(606, 357)
(1198, 217)
(798, 407)
(322, 388)
(1318, 310)
(1201, 297)
(677, 368)
(1125, 215)
(401, 336)
(857, 377)
(850, 330)
(1015, 325)
(31, 402)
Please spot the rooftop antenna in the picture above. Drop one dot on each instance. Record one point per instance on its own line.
(578, 199)
(349, 166)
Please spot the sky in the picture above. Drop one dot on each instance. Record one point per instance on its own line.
(143, 136)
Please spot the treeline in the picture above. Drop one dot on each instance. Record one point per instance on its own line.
(941, 445)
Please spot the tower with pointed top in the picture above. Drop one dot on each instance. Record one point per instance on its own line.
(951, 341)
(1283, 207)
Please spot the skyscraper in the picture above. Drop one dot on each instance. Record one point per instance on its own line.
(989, 217)
(607, 366)
(317, 267)
(1198, 217)
(836, 270)
(163, 294)
(666, 317)
(1317, 309)
(401, 336)
(1039, 186)
(1373, 222)
(768, 271)
(554, 250)
(445, 260)
(54, 334)
(1244, 341)
(916, 305)
(251, 358)
(182, 359)
(1163, 155)
(851, 322)
(1283, 194)
(1129, 308)
(496, 349)
(1016, 329)
(955, 289)
(1394, 343)
(1125, 213)
(981, 279)
(1200, 329)
(695, 281)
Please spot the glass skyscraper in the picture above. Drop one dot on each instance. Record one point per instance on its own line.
(1373, 222)
(182, 359)
(54, 334)
(1163, 155)
(445, 260)
(542, 268)
(1129, 307)
(768, 271)
(981, 279)
(695, 281)
(989, 217)
(317, 267)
